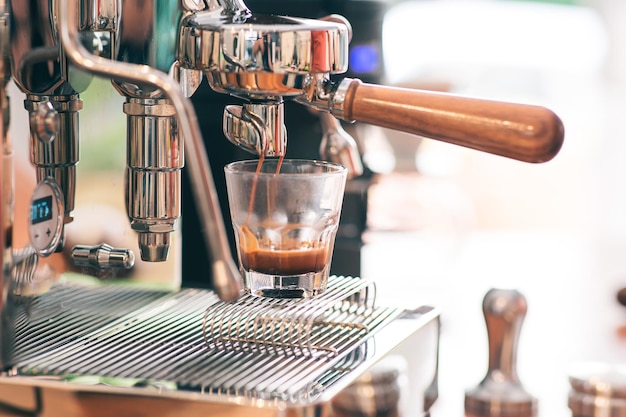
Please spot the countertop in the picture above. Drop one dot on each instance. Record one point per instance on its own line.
(570, 283)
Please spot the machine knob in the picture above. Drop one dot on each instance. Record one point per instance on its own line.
(501, 393)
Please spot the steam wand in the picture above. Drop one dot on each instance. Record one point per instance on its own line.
(226, 277)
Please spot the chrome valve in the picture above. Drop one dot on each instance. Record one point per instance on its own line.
(102, 256)
(154, 160)
(54, 141)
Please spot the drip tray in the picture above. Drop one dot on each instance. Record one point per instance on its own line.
(277, 353)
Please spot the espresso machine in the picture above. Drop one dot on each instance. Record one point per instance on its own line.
(210, 348)
(314, 130)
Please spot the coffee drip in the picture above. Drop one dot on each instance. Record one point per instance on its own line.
(289, 256)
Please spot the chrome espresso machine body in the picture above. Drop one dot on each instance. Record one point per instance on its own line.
(215, 350)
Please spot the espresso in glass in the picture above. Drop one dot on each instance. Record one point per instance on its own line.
(285, 215)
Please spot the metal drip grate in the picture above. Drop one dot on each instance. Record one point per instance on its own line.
(67, 314)
(276, 350)
(312, 327)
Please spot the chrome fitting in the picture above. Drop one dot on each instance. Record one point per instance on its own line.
(99, 15)
(154, 160)
(326, 95)
(162, 226)
(54, 141)
(102, 257)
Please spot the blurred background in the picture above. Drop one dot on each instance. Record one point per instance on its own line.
(554, 231)
(445, 224)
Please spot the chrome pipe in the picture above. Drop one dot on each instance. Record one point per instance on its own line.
(99, 15)
(7, 323)
(54, 141)
(226, 277)
(146, 35)
(154, 163)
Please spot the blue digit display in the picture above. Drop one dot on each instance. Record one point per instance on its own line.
(41, 210)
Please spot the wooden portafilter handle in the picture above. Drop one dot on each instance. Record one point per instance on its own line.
(500, 393)
(519, 131)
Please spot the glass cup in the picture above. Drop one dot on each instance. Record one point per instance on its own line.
(285, 217)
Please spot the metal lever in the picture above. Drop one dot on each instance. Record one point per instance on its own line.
(523, 132)
(500, 393)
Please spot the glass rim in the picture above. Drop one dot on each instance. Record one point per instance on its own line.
(336, 169)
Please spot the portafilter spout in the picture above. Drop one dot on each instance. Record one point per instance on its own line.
(226, 277)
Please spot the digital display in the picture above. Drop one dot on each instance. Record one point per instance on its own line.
(41, 210)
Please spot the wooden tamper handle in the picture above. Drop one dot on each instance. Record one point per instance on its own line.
(519, 131)
(500, 393)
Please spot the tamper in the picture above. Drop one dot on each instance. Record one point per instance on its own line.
(500, 393)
